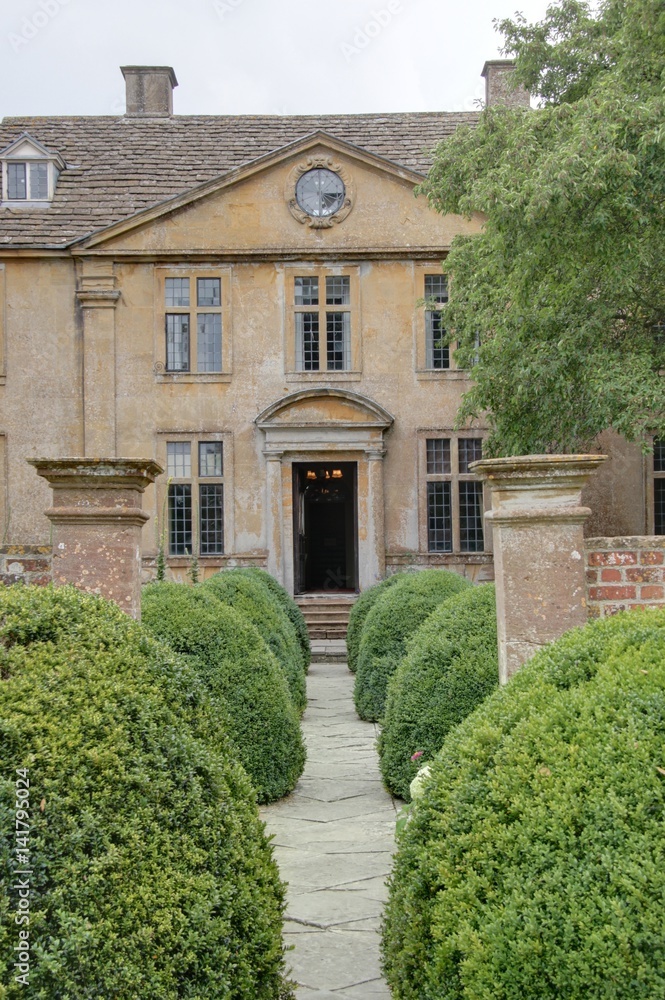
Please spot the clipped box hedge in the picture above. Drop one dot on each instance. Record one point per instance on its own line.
(451, 666)
(398, 612)
(292, 610)
(359, 611)
(238, 669)
(151, 873)
(253, 599)
(533, 866)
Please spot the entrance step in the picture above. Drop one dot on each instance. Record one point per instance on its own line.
(327, 618)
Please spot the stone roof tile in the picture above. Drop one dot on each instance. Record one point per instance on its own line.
(119, 166)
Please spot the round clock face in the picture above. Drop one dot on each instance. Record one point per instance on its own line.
(320, 192)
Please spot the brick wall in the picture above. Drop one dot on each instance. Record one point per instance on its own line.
(624, 573)
(25, 564)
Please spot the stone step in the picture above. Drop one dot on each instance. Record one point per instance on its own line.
(327, 616)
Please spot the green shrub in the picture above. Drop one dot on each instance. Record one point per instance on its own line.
(534, 864)
(294, 613)
(451, 666)
(359, 612)
(397, 613)
(239, 669)
(253, 599)
(151, 873)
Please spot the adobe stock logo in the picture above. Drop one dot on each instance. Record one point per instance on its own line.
(363, 35)
(31, 26)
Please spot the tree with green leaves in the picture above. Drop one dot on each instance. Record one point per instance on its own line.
(564, 286)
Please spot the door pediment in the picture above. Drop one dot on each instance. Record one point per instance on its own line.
(324, 420)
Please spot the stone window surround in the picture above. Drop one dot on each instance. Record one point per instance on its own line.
(161, 272)
(423, 373)
(163, 437)
(423, 434)
(293, 271)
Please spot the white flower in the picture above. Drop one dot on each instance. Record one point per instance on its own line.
(417, 785)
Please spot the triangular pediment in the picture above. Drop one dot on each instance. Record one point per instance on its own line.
(27, 148)
(250, 213)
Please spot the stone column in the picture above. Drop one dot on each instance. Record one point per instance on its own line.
(539, 563)
(275, 516)
(97, 518)
(98, 297)
(373, 568)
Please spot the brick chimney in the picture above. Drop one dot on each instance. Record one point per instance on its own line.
(149, 90)
(499, 85)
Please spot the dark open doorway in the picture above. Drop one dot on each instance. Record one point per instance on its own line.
(325, 526)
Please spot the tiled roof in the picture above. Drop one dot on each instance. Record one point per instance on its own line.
(120, 166)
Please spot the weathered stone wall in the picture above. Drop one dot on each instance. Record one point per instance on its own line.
(625, 573)
(26, 564)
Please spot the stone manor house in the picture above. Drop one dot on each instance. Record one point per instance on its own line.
(240, 299)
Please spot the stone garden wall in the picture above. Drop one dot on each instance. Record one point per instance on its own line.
(26, 564)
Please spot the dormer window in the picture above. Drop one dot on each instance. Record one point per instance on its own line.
(29, 172)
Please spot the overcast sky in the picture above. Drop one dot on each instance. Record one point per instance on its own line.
(62, 57)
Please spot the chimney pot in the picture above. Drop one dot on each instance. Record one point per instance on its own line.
(499, 88)
(149, 90)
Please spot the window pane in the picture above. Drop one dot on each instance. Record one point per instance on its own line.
(659, 456)
(211, 516)
(307, 342)
(437, 354)
(16, 180)
(177, 342)
(438, 457)
(470, 450)
(436, 287)
(659, 506)
(208, 292)
(338, 340)
(178, 460)
(471, 516)
(210, 458)
(338, 291)
(209, 342)
(180, 519)
(39, 181)
(307, 291)
(177, 292)
(439, 518)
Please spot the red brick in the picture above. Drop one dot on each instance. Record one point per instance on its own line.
(611, 575)
(613, 609)
(40, 579)
(33, 565)
(652, 558)
(642, 575)
(612, 593)
(591, 575)
(651, 593)
(613, 558)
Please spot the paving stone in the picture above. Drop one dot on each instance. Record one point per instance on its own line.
(334, 841)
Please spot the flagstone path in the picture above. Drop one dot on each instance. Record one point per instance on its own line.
(334, 840)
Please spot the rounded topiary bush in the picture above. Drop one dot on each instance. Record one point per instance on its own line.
(264, 611)
(292, 610)
(358, 615)
(238, 668)
(398, 612)
(451, 666)
(534, 864)
(151, 873)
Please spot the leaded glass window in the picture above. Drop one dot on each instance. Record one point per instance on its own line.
(437, 353)
(320, 192)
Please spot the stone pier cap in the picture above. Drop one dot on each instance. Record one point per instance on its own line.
(98, 473)
(536, 483)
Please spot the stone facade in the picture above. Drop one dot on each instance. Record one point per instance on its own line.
(329, 471)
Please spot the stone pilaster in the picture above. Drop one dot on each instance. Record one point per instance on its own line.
(373, 568)
(537, 518)
(275, 516)
(98, 297)
(97, 518)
